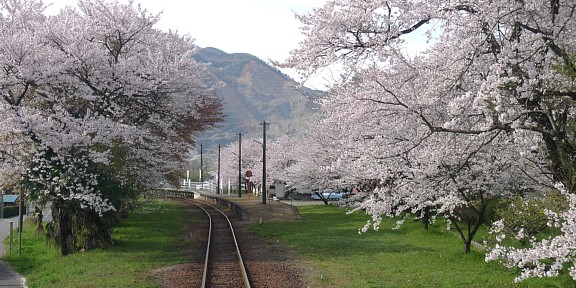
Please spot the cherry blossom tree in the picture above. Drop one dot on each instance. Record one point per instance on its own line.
(95, 95)
(278, 159)
(228, 163)
(312, 162)
(486, 109)
(279, 156)
(251, 161)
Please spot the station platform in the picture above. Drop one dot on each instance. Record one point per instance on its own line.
(247, 209)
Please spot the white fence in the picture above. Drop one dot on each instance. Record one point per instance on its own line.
(210, 186)
(206, 185)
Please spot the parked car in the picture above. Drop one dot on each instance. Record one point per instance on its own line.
(329, 195)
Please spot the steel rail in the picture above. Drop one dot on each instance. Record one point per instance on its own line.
(205, 271)
(238, 253)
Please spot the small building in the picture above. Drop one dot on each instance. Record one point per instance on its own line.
(9, 200)
(9, 206)
(277, 190)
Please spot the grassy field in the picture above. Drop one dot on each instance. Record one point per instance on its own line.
(328, 241)
(149, 239)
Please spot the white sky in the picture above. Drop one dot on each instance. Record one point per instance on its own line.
(264, 28)
(267, 29)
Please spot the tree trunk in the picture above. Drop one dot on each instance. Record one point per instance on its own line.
(62, 227)
(472, 226)
(467, 245)
(426, 218)
(38, 217)
(466, 238)
(322, 197)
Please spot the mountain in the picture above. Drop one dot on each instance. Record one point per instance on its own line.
(253, 92)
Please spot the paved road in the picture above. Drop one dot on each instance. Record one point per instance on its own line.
(9, 278)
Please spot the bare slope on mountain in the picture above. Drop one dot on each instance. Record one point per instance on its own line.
(255, 91)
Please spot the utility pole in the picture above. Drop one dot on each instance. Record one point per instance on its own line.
(264, 163)
(201, 164)
(21, 218)
(239, 164)
(218, 178)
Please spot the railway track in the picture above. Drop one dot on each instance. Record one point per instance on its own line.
(269, 264)
(223, 265)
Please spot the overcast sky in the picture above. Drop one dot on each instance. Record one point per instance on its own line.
(264, 28)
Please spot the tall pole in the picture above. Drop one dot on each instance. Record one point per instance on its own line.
(20, 219)
(239, 164)
(201, 164)
(264, 164)
(218, 180)
(2, 204)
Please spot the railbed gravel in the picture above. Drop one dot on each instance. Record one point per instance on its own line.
(270, 263)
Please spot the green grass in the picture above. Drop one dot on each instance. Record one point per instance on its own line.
(150, 238)
(328, 241)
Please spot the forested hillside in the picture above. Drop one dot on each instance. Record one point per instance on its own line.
(255, 91)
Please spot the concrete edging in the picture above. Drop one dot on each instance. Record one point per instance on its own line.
(238, 210)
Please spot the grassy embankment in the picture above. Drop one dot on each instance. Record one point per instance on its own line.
(327, 241)
(150, 238)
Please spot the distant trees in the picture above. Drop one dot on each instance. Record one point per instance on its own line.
(525, 218)
(251, 160)
(486, 110)
(96, 104)
(276, 160)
